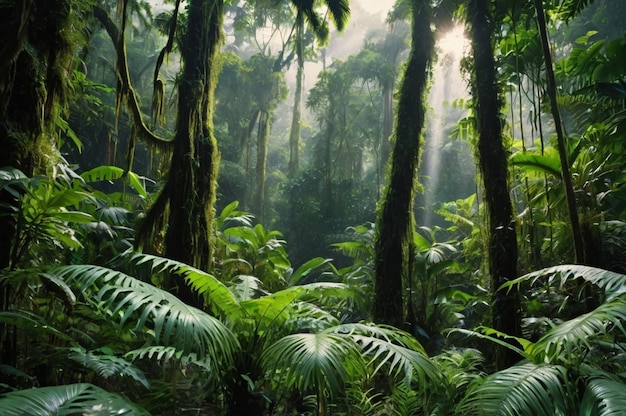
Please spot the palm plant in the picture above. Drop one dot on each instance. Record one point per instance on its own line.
(251, 349)
(575, 368)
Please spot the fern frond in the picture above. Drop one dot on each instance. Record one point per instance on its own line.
(129, 301)
(528, 389)
(613, 284)
(107, 366)
(577, 334)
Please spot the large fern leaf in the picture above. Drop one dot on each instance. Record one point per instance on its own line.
(129, 301)
(613, 284)
(321, 362)
(603, 397)
(107, 366)
(393, 350)
(524, 390)
(67, 400)
(576, 335)
(218, 296)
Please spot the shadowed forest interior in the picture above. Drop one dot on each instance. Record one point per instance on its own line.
(312, 207)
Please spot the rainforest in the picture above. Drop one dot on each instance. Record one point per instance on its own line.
(312, 207)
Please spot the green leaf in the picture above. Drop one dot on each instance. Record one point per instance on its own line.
(73, 216)
(32, 322)
(218, 296)
(525, 390)
(129, 301)
(67, 400)
(549, 162)
(572, 336)
(321, 362)
(396, 351)
(613, 284)
(306, 269)
(111, 173)
(107, 366)
(65, 127)
(603, 397)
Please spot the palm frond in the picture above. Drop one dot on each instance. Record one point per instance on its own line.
(603, 397)
(340, 11)
(217, 295)
(613, 284)
(578, 333)
(572, 8)
(67, 400)
(278, 307)
(400, 354)
(108, 366)
(322, 362)
(524, 390)
(165, 354)
(129, 301)
(32, 322)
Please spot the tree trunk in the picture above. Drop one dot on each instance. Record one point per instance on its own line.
(395, 218)
(263, 136)
(566, 177)
(493, 165)
(36, 59)
(186, 203)
(294, 134)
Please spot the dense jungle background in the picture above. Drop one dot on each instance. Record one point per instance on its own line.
(303, 207)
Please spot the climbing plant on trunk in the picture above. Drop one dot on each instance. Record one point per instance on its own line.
(184, 209)
(395, 219)
(502, 245)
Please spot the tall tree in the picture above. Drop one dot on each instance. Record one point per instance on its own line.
(566, 177)
(36, 61)
(395, 219)
(306, 14)
(492, 157)
(185, 206)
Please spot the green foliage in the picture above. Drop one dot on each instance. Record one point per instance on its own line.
(67, 400)
(42, 211)
(571, 368)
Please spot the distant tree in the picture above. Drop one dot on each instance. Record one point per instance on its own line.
(393, 252)
(306, 15)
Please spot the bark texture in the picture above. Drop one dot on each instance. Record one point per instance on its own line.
(395, 217)
(492, 157)
(185, 207)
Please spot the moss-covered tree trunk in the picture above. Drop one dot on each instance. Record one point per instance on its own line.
(36, 62)
(493, 165)
(395, 217)
(294, 133)
(186, 204)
